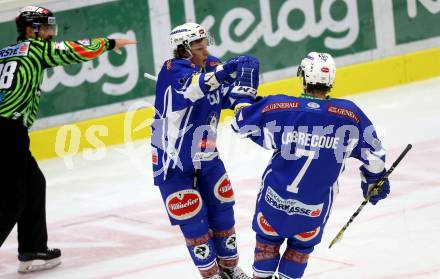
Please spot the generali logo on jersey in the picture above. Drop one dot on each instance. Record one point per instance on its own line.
(280, 105)
(344, 112)
(184, 204)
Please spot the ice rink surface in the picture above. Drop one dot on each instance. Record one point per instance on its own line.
(109, 220)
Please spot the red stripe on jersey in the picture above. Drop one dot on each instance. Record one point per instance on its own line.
(86, 53)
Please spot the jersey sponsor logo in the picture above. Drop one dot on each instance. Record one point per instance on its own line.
(89, 54)
(184, 204)
(169, 64)
(84, 42)
(265, 226)
(280, 106)
(154, 156)
(306, 236)
(23, 48)
(223, 189)
(20, 49)
(343, 112)
(325, 70)
(207, 144)
(313, 105)
(291, 206)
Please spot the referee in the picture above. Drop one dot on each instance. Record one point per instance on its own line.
(22, 184)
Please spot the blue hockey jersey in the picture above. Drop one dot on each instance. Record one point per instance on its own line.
(184, 130)
(310, 138)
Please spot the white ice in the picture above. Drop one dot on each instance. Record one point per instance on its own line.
(109, 220)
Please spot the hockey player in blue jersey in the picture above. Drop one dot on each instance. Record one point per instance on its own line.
(311, 136)
(191, 90)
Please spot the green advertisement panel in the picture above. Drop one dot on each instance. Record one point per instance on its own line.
(416, 20)
(279, 33)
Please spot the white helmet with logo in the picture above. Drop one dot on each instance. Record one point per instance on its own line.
(186, 33)
(318, 68)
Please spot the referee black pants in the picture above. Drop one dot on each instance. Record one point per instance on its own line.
(22, 189)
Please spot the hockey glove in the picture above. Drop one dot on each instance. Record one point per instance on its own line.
(247, 80)
(226, 72)
(369, 180)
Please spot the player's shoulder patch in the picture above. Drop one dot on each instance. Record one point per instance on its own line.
(20, 49)
(343, 112)
(84, 42)
(169, 64)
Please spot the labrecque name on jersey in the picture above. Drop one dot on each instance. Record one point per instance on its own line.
(306, 139)
(20, 49)
(291, 206)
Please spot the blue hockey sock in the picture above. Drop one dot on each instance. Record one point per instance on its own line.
(267, 256)
(221, 222)
(201, 247)
(226, 247)
(292, 264)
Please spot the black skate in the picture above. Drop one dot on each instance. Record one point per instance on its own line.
(31, 262)
(235, 273)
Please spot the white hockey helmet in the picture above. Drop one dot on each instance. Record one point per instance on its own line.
(318, 68)
(186, 33)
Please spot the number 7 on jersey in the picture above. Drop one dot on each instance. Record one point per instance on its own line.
(310, 154)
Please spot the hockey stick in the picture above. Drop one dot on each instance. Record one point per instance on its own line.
(150, 76)
(372, 191)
